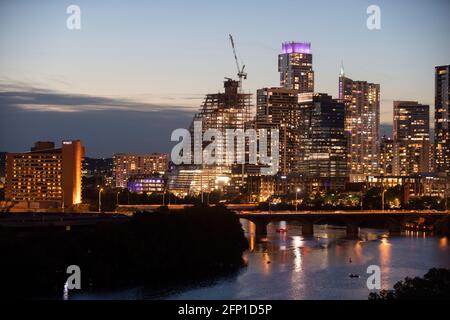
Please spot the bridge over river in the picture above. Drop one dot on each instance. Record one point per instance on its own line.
(393, 221)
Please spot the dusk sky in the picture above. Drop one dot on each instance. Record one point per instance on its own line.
(137, 70)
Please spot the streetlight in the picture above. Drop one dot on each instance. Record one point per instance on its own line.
(383, 190)
(117, 199)
(296, 199)
(100, 200)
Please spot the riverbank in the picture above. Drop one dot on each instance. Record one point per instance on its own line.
(150, 249)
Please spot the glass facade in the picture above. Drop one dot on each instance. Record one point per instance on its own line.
(442, 112)
(295, 67)
(411, 138)
(362, 108)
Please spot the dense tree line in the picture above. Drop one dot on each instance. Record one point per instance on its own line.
(151, 249)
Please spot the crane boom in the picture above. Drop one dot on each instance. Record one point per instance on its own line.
(235, 55)
(241, 71)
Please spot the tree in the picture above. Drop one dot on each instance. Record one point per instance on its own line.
(435, 285)
(372, 199)
(394, 197)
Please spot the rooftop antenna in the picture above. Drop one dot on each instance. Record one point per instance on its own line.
(342, 73)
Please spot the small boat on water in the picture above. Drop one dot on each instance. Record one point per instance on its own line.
(352, 275)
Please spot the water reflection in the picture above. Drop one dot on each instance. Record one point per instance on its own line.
(358, 250)
(385, 261)
(251, 227)
(66, 291)
(297, 243)
(443, 243)
(286, 265)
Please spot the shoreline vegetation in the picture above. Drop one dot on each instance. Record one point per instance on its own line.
(151, 249)
(434, 285)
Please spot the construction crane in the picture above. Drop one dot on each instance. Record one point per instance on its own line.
(241, 71)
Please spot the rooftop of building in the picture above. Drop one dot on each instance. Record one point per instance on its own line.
(296, 47)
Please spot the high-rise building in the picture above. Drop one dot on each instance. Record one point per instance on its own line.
(127, 165)
(229, 110)
(362, 122)
(278, 108)
(322, 142)
(442, 119)
(386, 156)
(46, 176)
(222, 111)
(295, 67)
(411, 138)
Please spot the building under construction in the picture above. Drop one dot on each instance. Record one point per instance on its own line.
(220, 111)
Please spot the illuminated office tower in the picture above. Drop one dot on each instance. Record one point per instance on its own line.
(278, 108)
(323, 142)
(127, 165)
(362, 122)
(46, 176)
(295, 67)
(411, 138)
(441, 118)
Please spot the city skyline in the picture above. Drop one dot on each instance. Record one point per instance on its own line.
(226, 150)
(117, 95)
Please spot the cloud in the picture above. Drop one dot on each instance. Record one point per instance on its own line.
(41, 100)
(104, 125)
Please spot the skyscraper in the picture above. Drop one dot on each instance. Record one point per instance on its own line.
(295, 67)
(411, 138)
(278, 108)
(220, 111)
(322, 142)
(441, 118)
(362, 122)
(46, 176)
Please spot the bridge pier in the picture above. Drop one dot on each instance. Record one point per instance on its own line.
(395, 228)
(352, 230)
(307, 229)
(261, 228)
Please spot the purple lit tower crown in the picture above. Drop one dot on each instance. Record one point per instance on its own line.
(296, 47)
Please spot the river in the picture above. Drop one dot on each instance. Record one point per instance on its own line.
(286, 265)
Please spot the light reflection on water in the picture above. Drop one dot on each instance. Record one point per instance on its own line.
(286, 265)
